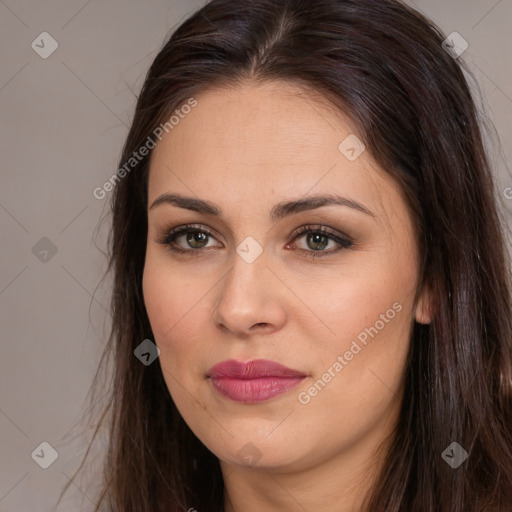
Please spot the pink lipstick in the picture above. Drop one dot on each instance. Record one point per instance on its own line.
(253, 381)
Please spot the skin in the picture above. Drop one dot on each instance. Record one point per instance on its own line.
(245, 149)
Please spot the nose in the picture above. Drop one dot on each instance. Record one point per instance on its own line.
(250, 299)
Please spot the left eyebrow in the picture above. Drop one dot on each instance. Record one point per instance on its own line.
(278, 211)
(286, 208)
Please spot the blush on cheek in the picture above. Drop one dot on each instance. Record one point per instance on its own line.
(163, 307)
(173, 325)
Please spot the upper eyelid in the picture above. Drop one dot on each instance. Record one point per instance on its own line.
(191, 227)
(303, 230)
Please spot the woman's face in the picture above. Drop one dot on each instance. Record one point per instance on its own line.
(249, 167)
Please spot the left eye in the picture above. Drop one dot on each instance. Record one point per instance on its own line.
(317, 239)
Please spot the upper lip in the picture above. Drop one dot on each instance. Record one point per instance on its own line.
(253, 369)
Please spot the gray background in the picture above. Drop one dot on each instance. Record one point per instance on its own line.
(64, 120)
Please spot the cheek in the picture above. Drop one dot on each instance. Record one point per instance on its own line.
(168, 294)
(346, 306)
(173, 309)
(359, 353)
(175, 305)
(357, 372)
(166, 301)
(160, 299)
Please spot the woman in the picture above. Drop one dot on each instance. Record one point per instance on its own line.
(311, 305)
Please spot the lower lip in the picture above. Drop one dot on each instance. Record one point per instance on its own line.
(251, 391)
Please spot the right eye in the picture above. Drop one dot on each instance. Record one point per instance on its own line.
(194, 236)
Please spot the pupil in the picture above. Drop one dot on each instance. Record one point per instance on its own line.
(316, 240)
(195, 236)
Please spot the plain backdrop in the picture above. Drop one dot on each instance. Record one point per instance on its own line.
(63, 122)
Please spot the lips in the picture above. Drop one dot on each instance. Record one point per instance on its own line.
(253, 381)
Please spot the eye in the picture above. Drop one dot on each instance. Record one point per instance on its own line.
(317, 238)
(194, 236)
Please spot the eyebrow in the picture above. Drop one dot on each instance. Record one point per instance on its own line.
(278, 211)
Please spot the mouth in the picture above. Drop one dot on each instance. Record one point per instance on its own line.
(254, 381)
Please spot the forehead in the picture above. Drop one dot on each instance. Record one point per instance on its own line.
(234, 122)
(256, 140)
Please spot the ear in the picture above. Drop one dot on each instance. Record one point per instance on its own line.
(425, 305)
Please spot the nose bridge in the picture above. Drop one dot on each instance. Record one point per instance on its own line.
(247, 274)
(244, 294)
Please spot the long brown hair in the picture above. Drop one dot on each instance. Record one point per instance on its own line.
(384, 65)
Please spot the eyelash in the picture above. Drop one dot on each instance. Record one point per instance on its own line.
(345, 242)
